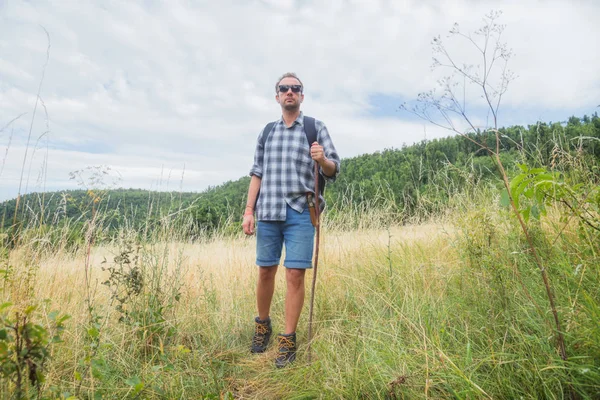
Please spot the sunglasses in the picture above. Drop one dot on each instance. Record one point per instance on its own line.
(295, 88)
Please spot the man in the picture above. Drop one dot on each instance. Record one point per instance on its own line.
(283, 171)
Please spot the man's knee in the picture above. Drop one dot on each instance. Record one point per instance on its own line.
(295, 277)
(267, 273)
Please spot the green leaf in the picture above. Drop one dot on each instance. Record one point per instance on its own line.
(516, 181)
(504, 199)
(93, 332)
(540, 196)
(544, 177)
(169, 367)
(519, 186)
(98, 368)
(63, 318)
(525, 213)
(544, 186)
(515, 200)
(138, 388)
(3, 334)
(5, 305)
(535, 212)
(3, 348)
(537, 171)
(523, 167)
(136, 384)
(133, 381)
(30, 309)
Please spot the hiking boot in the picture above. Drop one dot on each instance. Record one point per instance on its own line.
(287, 350)
(262, 335)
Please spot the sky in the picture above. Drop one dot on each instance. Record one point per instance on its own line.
(171, 95)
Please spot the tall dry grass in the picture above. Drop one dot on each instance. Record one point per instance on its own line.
(451, 308)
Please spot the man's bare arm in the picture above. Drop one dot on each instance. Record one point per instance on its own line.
(253, 188)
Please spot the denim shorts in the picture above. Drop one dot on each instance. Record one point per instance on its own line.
(297, 232)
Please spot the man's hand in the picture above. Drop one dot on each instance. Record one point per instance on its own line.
(316, 153)
(248, 224)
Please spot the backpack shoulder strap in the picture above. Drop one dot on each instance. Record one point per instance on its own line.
(267, 132)
(310, 128)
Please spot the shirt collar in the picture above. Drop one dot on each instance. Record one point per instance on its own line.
(299, 120)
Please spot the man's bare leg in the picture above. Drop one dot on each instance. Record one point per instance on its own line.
(294, 298)
(264, 290)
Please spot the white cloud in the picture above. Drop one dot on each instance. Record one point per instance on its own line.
(147, 87)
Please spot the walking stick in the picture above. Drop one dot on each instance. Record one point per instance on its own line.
(314, 280)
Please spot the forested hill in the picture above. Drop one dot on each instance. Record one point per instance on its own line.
(432, 169)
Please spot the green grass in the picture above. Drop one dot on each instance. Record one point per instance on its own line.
(451, 308)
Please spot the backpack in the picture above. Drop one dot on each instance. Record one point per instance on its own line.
(311, 135)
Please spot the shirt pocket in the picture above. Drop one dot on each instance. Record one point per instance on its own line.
(303, 159)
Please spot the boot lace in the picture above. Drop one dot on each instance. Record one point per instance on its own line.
(260, 332)
(285, 344)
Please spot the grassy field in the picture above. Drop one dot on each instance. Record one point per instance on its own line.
(450, 308)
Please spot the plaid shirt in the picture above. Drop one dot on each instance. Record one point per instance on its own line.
(286, 168)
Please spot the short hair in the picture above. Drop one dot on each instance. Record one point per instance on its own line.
(287, 75)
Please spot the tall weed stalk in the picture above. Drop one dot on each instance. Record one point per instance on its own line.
(492, 85)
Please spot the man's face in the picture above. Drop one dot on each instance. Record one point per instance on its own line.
(289, 100)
